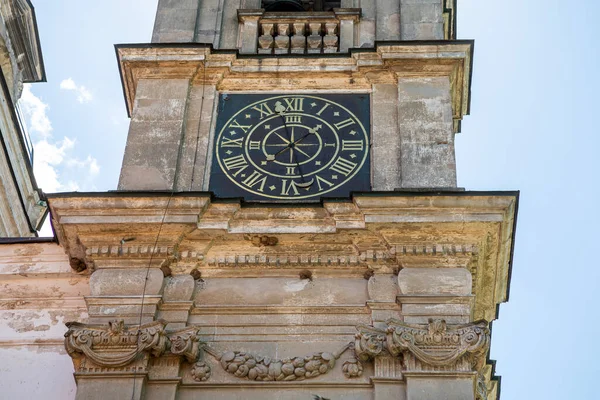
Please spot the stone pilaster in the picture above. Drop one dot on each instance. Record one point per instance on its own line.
(121, 361)
(426, 132)
(436, 360)
(383, 289)
(249, 33)
(155, 135)
(130, 294)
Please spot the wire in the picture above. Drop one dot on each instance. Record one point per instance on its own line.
(146, 284)
(199, 125)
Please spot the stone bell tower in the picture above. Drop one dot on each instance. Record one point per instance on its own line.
(288, 222)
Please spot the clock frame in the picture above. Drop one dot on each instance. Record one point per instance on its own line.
(291, 147)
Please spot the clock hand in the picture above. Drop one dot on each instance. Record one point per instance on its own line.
(312, 131)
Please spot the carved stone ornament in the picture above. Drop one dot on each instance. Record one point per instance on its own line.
(481, 392)
(460, 347)
(352, 368)
(370, 342)
(115, 345)
(260, 368)
(201, 371)
(186, 343)
(439, 345)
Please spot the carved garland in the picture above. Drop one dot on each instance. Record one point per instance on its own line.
(260, 368)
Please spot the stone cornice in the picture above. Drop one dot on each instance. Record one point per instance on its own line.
(356, 71)
(379, 231)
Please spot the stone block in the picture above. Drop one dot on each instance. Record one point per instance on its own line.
(152, 149)
(179, 288)
(383, 287)
(423, 31)
(126, 282)
(388, 19)
(440, 388)
(230, 25)
(435, 281)
(158, 109)
(426, 132)
(176, 24)
(422, 12)
(386, 138)
(283, 291)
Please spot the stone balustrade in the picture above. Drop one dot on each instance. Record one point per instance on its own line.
(297, 33)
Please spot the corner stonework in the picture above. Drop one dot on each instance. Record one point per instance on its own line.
(429, 357)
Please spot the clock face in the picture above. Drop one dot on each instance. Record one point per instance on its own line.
(291, 147)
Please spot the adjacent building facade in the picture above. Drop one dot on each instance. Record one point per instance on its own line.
(21, 207)
(288, 223)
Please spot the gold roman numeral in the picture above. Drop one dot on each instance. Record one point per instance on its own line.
(294, 104)
(256, 178)
(353, 145)
(344, 123)
(236, 124)
(232, 142)
(238, 163)
(343, 166)
(290, 171)
(254, 145)
(285, 188)
(293, 119)
(264, 110)
(323, 109)
(322, 180)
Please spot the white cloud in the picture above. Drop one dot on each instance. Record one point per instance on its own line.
(54, 162)
(49, 156)
(34, 110)
(90, 163)
(83, 94)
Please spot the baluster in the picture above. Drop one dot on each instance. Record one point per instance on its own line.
(282, 40)
(314, 41)
(330, 40)
(265, 42)
(299, 38)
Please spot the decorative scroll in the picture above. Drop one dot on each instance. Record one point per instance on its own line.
(461, 347)
(114, 345)
(370, 342)
(438, 345)
(186, 343)
(260, 368)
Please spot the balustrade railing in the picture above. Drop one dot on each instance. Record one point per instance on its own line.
(298, 33)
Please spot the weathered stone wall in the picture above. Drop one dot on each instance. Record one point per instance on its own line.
(155, 135)
(216, 21)
(39, 293)
(172, 128)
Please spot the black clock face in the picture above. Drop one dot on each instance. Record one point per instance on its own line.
(291, 147)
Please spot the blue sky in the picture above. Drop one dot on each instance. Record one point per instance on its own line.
(533, 127)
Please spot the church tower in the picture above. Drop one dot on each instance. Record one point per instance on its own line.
(287, 223)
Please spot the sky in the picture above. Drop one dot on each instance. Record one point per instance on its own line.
(533, 127)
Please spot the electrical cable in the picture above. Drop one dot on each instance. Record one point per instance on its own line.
(146, 284)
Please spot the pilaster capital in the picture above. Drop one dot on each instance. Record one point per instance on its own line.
(433, 347)
(116, 347)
